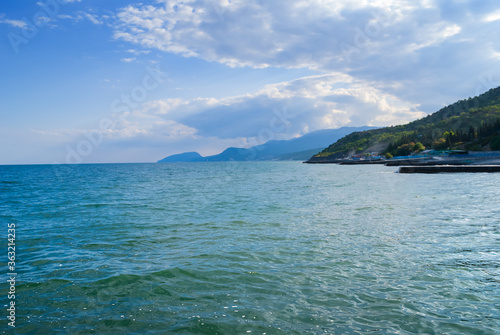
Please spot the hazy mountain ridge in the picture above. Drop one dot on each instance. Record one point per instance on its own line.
(300, 148)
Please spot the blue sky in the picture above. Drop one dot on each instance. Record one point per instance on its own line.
(87, 81)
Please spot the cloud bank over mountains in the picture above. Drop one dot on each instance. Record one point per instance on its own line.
(290, 108)
(382, 62)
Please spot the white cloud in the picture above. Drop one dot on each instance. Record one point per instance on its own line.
(495, 16)
(81, 15)
(434, 35)
(128, 60)
(65, 17)
(14, 23)
(92, 18)
(140, 124)
(68, 133)
(285, 33)
(138, 52)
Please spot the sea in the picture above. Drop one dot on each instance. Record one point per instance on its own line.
(248, 248)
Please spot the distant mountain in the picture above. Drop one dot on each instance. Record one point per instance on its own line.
(472, 124)
(185, 157)
(300, 148)
(298, 156)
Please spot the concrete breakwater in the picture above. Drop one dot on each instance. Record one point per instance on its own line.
(473, 158)
(449, 168)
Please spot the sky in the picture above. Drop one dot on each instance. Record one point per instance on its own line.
(92, 81)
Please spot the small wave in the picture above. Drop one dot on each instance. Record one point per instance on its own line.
(10, 182)
(95, 205)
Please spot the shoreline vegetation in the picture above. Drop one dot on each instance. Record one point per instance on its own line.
(463, 133)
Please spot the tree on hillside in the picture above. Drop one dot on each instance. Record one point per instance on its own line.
(418, 147)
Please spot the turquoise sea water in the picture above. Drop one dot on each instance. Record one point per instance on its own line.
(251, 248)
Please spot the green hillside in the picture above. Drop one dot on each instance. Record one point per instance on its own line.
(472, 124)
